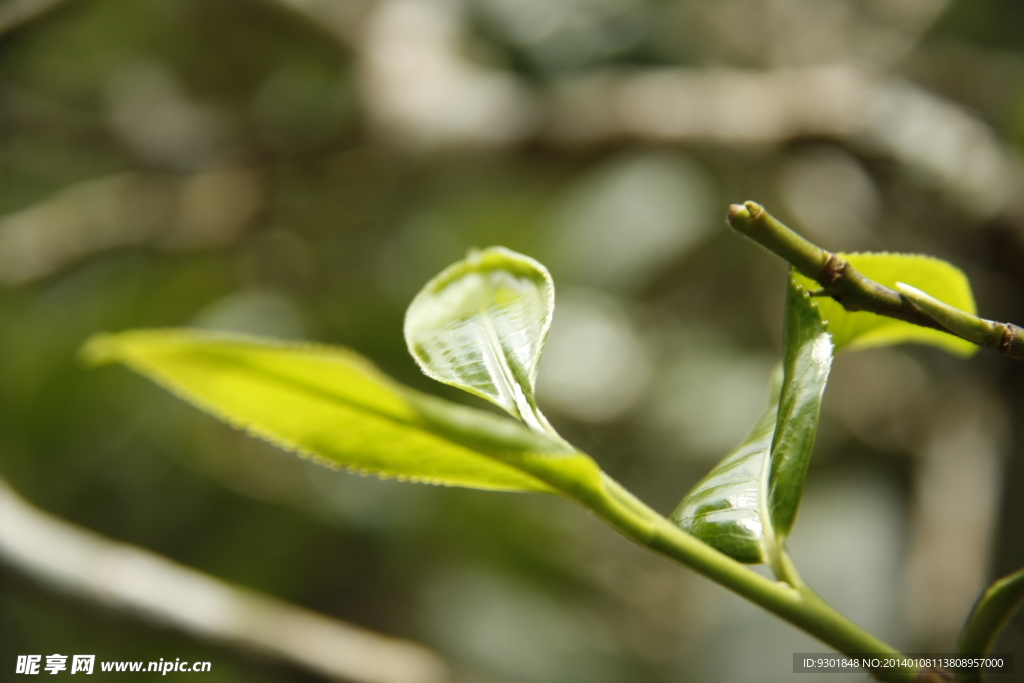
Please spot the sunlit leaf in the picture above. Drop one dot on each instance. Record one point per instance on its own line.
(480, 325)
(332, 405)
(860, 330)
(747, 504)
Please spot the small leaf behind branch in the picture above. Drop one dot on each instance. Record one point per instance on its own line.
(480, 325)
(860, 329)
(334, 406)
(747, 504)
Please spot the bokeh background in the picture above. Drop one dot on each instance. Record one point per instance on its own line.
(299, 168)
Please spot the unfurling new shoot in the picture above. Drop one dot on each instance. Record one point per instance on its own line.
(480, 325)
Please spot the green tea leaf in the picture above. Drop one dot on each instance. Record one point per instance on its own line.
(724, 508)
(747, 504)
(480, 325)
(332, 405)
(807, 360)
(860, 330)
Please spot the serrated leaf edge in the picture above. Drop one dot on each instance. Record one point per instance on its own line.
(325, 351)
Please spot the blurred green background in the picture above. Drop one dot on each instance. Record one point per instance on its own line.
(299, 168)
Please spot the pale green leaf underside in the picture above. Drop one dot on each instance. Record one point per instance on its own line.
(747, 504)
(334, 406)
(860, 330)
(480, 325)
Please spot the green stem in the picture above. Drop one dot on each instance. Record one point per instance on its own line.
(855, 292)
(799, 606)
(753, 221)
(787, 571)
(993, 609)
(978, 330)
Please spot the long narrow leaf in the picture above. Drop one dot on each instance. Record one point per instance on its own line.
(334, 406)
(747, 504)
(480, 325)
(806, 362)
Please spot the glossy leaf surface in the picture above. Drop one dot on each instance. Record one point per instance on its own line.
(724, 508)
(859, 330)
(480, 325)
(332, 405)
(747, 504)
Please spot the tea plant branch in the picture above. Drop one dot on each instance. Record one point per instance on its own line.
(855, 292)
(993, 609)
(330, 404)
(480, 325)
(798, 605)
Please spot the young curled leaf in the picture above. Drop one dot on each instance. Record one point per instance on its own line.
(724, 508)
(480, 325)
(334, 406)
(747, 504)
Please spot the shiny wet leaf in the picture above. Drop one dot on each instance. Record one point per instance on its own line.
(747, 504)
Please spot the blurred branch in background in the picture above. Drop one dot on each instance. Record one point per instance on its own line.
(198, 211)
(422, 91)
(901, 25)
(15, 13)
(944, 144)
(119, 575)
